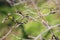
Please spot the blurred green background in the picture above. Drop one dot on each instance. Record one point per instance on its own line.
(32, 28)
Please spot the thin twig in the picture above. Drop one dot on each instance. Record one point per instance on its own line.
(15, 26)
(46, 31)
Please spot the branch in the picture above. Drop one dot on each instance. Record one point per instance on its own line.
(4, 19)
(34, 19)
(15, 26)
(19, 17)
(46, 31)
